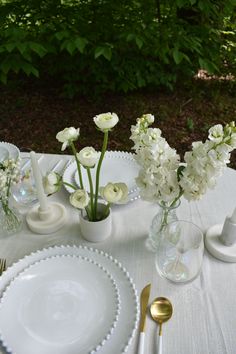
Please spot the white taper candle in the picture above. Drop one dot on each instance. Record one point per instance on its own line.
(233, 217)
(38, 181)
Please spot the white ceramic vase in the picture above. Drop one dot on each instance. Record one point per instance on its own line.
(96, 231)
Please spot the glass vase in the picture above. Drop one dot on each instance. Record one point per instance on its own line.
(10, 219)
(164, 216)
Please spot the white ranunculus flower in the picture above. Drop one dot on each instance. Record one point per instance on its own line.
(88, 156)
(216, 133)
(51, 182)
(79, 199)
(66, 136)
(114, 193)
(106, 121)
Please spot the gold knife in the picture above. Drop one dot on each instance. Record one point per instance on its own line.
(144, 304)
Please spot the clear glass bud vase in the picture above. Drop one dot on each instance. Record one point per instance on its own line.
(164, 216)
(10, 219)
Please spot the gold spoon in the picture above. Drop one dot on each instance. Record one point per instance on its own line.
(161, 311)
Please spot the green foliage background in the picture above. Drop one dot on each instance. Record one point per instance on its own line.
(110, 45)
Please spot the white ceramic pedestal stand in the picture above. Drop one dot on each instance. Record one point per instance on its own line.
(46, 221)
(214, 244)
(44, 218)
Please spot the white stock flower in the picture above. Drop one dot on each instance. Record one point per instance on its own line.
(66, 136)
(88, 156)
(51, 182)
(216, 133)
(149, 118)
(158, 179)
(106, 121)
(79, 199)
(114, 193)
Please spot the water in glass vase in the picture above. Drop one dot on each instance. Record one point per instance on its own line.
(10, 220)
(164, 216)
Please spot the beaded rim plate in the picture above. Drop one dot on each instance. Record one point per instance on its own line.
(60, 301)
(129, 306)
(117, 166)
(13, 150)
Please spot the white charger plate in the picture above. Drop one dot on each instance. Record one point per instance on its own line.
(129, 309)
(65, 305)
(13, 150)
(117, 166)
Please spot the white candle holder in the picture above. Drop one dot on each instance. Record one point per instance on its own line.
(220, 240)
(46, 221)
(44, 218)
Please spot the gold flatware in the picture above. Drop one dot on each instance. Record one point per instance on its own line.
(2, 265)
(161, 311)
(144, 305)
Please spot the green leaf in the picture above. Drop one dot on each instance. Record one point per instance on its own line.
(38, 48)
(81, 43)
(178, 56)
(69, 45)
(3, 78)
(130, 37)
(62, 34)
(5, 66)
(10, 47)
(180, 3)
(104, 51)
(139, 42)
(21, 47)
(210, 67)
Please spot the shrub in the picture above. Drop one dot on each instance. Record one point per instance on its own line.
(107, 45)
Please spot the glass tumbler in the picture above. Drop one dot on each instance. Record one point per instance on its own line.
(24, 192)
(180, 252)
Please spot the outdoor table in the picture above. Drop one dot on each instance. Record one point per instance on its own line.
(204, 316)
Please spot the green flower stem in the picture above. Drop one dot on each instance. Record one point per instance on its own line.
(104, 147)
(11, 221)
(91, 193)
(177, 198)
(69, 185)
(8, 186)
(78, 165)
(89, 215)
(106, 211)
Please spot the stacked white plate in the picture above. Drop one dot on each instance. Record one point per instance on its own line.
(117, 166)
(8, 151)
(67, 300)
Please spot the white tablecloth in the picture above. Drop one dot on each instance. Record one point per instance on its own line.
(204, 318)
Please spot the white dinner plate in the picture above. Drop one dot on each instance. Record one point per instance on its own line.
(126, 324)
(13, 151)
(65, 304)
(116, 167)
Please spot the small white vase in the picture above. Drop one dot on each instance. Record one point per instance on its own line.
(96, 231)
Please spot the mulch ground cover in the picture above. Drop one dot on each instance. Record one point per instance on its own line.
(31, 115)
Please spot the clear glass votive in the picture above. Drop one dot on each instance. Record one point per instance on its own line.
(180, 252)
(24, 192)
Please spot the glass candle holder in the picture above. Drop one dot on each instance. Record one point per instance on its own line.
(180, 252)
